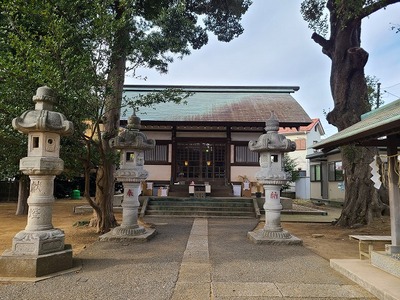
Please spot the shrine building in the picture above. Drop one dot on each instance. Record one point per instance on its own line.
(206, 139)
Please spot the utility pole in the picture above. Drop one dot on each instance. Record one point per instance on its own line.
(378, 94)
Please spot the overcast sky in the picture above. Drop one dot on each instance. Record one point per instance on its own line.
(276, 49)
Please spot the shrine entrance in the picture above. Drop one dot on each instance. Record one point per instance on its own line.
(200, 161)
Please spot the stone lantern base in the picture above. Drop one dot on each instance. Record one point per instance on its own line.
(282, 237)
(137, 234)
(12, 265)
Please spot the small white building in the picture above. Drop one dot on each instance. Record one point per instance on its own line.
(326, 176)
(304, 137)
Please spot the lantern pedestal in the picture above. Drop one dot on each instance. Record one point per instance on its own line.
(130, 229)
(12, 265)
(131, 235)
(273, 233)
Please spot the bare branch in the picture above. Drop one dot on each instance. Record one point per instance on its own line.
(370, 9)
(324, 43)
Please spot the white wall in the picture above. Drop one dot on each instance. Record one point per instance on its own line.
(237, 171)
(302, 188)
(158, 172)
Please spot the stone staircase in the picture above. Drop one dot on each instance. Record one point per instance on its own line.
(217, 190)
(234, 207)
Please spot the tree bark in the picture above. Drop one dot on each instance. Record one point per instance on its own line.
(23, 193)
(111, 119)
(362, 202)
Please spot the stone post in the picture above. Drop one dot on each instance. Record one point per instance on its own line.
(39, 249)
(131, 143)
(271, 146)
(394, 198)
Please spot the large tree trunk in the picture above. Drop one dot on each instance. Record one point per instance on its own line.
(105, 219)
(349, 92)
(115, 83)
(362, 202)
(23, 194)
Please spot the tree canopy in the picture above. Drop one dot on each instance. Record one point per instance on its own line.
(82, 49)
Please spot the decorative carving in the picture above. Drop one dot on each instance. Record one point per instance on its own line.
(121, 231)
(34, 213)
(281, 234)
(27, 236)
(35, 186)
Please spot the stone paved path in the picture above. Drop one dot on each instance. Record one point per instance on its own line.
(193, 259)
(195, 280)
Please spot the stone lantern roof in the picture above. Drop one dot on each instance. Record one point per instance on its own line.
(272, 140)
(43, 119)
(131, 137)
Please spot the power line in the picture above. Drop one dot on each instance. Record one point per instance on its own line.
(388, 87)
(391, 94)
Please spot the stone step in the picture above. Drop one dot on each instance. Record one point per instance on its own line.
(202, 203)
(207, 207)
(376, 281)
(216, 191)
(199, 213)
(386, 262)
(206, 199)
(197, 207)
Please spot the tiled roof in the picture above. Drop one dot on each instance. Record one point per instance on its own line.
(307, 128)
(227, 104)
(373, 125)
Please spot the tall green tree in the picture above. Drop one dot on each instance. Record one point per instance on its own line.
(337, 25)
(374, 97)
(83, 49)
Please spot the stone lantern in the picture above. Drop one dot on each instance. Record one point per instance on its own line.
(39, 249)
(272, 146)
(131, 143)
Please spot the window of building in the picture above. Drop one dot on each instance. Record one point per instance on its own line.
(335, 171)
(244, 156)
(315, 173)
(157, 155)
(300, 144)
(302, 173)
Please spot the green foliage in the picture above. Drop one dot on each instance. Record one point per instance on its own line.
(351, 153)
(290, 166)
(71, 46)
(323, 14)
(313, 12)
(372, 86)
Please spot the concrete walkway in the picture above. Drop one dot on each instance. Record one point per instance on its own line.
(197, 259)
